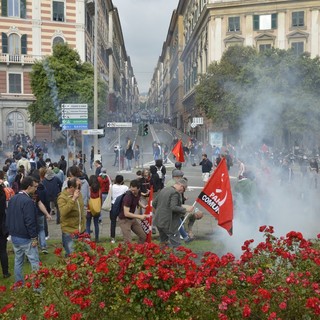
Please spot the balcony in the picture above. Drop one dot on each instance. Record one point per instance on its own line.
(18, 58)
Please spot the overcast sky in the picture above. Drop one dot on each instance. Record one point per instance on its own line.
(144, 26)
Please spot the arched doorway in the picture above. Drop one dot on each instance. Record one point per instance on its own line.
(15, 123)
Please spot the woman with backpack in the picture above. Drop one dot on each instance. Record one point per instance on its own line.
(95, 193)
(118, 189)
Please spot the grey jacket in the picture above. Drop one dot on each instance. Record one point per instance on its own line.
(168, 210)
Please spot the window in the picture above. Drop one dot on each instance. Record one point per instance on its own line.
(58, 11)
(265, 22)
(15, 83)
(57, 40)
(13, 8)
(234, 24)
(297, 47)
(14, 44)
(298, 19)
(264, 47)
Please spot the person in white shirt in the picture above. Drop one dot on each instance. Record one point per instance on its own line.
(118, 188)
(24, 162)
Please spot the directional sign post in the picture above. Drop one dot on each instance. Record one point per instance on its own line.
(74, 117)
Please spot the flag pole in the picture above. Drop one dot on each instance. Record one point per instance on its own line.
(186, 216)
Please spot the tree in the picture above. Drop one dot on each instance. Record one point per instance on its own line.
(215, 92)
(261, 94)
(62, 78)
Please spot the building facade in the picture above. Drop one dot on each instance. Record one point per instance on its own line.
(211, 26)
(30, 28)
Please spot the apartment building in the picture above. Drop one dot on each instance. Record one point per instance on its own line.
(211, 26)
(30, 28)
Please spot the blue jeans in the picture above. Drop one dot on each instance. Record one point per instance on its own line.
(183, 232)
(22, 248)
(67, 242)
(41, 231)
(129, 164)
(96, 225)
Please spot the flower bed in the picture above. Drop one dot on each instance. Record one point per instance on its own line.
(277, 279)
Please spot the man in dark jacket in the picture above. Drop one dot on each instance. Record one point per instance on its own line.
(206, 167)
(62, 164)
(21, 222)
(53, 186)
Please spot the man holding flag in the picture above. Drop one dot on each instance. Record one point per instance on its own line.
(168, 213)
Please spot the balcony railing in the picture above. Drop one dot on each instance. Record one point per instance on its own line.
(18, 58)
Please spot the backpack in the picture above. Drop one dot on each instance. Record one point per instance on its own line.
(160, 173)
(116, 207)
(95, 206)
(9, 193)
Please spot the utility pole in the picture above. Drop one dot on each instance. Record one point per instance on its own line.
(95, 80)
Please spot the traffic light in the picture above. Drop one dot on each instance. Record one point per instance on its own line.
(145, 129)
(140, 130)
(100, 126)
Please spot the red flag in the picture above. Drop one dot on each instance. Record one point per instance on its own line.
(147, 223)
(216, 196)
(177, 151)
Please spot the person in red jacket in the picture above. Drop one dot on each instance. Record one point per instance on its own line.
(104, 182)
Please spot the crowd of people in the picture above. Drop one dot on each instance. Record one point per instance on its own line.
(46, 190)
(50, 190)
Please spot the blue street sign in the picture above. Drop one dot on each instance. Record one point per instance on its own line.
(82, 126)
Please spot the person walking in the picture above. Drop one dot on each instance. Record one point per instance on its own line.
(118, 189)
(129, 155)
(127, 217)
(70, 203)
(95, 192)
(53, 186)
(62, 164)
(21, 221)
(3, 234)
(91, 157)
(206, 167)
(136, 156)
(168, 213)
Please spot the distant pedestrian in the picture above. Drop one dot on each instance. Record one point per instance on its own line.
(62, 164)
(206, 165)
(137, 156)
(91, 157)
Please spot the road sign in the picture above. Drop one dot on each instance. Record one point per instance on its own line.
(75, 116)
(74, 106)
(119, 124)
(75, 121)
(198, 120)
(82, 126)
(92, 131)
